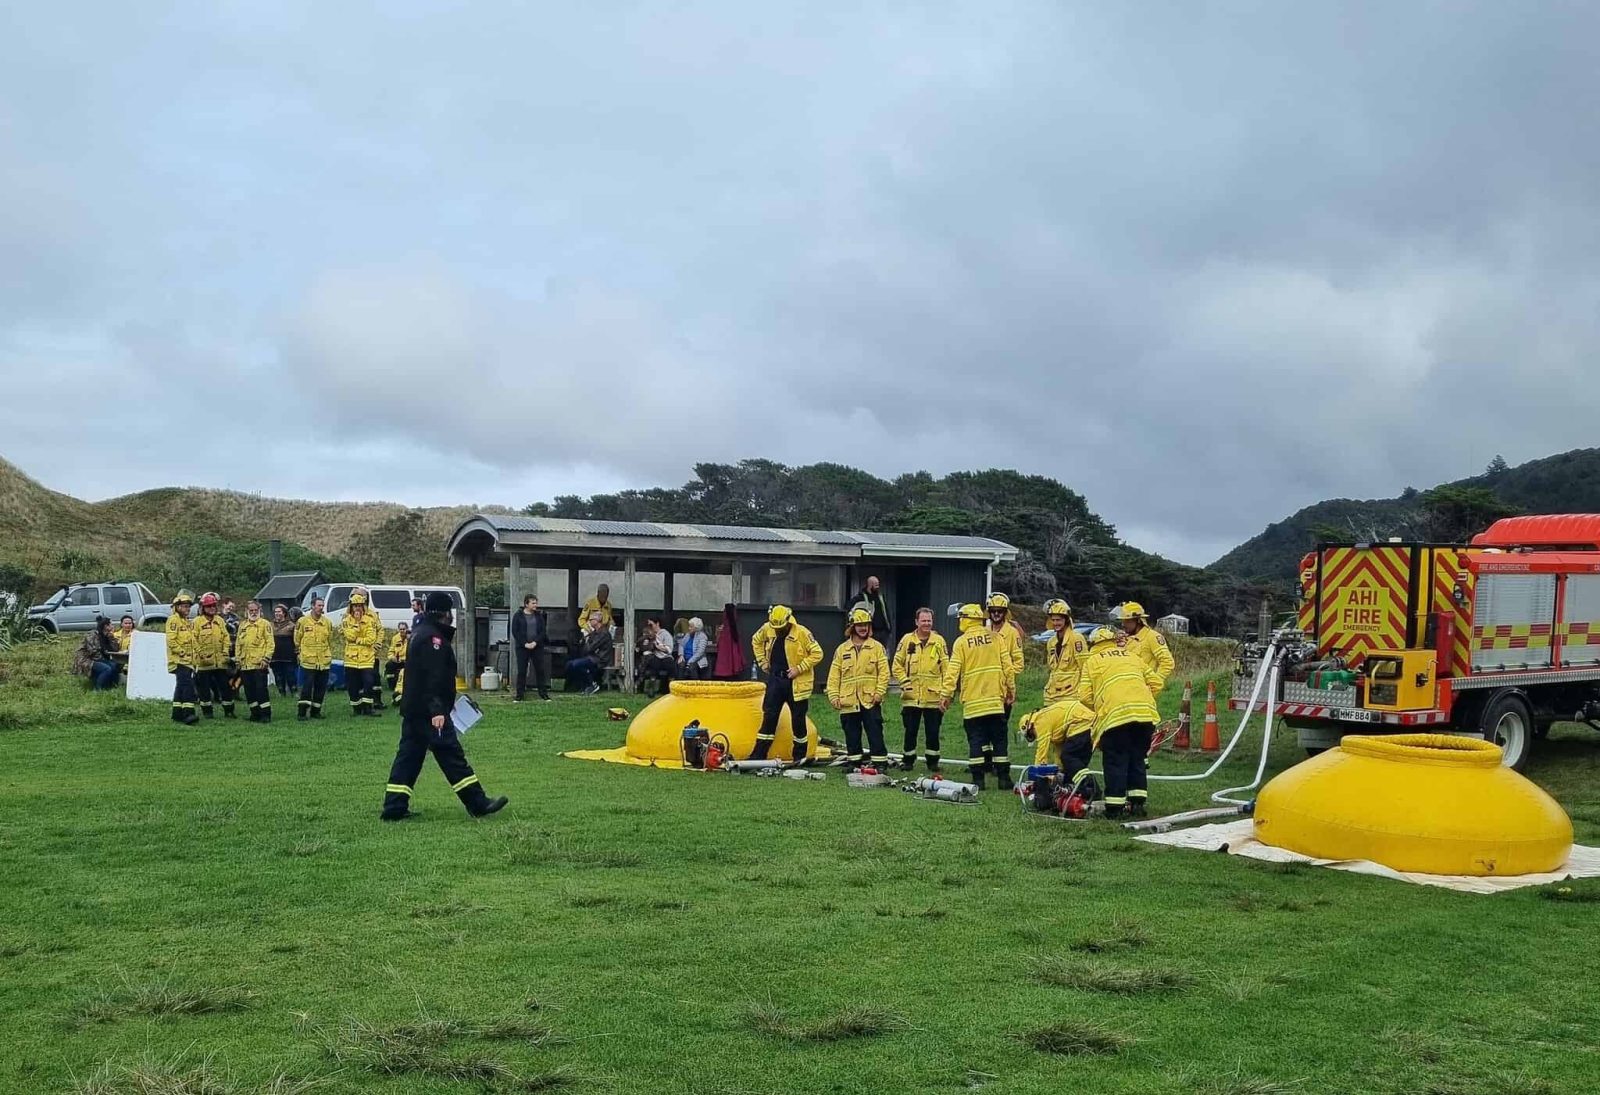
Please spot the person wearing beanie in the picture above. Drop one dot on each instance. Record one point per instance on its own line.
(425, 706)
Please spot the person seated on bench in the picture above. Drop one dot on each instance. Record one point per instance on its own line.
(693, 664)
(656, 655)
(583, 671)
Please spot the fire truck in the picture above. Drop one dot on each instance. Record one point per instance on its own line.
(1498, 638)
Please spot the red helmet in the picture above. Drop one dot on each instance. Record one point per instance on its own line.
(208, 600)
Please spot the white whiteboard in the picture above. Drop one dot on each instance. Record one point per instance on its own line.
(148, 678)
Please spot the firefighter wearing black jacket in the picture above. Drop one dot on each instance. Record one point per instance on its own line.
(430, 694)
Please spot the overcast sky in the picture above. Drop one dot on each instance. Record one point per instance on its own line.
(1204, 263)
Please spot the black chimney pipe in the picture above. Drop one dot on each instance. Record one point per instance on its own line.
(274, 558)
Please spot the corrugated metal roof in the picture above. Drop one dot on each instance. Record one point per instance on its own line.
(979, 546)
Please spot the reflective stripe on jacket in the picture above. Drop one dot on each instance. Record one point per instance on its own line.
(361, 639)
(1120, 688)
(1055, 724)
(253, 644)
(858, 676)
(180, 642)
(980, 673)
(1152, 648)
(1064, 655)
(212, 643)
(919, 667)
(313, 642)
(801, 648)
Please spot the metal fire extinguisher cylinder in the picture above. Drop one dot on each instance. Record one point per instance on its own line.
(751, 765)
(946, 789)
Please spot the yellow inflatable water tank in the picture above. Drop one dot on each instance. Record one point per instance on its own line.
(1429, 803)
(729, 708)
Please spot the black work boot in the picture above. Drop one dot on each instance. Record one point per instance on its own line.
(907, 761)
(1113, 811)
(1002, 775)
(407, 816)
(1136, 807)
(493, 806)
(977, 775)
(933, 764)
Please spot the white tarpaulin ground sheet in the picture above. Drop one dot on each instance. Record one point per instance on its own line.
(1239, 838)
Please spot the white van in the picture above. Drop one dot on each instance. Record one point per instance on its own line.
(392, 603)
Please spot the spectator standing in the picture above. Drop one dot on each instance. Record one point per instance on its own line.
(693, 662)
(872, 599)
(94, 658)
(530, 633)
(583, 672)
(417, 615)
(732, 665)
(283, 671)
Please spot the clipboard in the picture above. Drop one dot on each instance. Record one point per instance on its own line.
(465, 714)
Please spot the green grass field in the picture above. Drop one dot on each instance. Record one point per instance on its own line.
(218, 910)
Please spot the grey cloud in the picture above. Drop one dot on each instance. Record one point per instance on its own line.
(1206, 264)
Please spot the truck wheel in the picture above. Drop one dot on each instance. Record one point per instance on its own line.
(1508, 722)
(49, 627)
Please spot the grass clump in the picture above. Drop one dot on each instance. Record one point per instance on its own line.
(159, 1000)
(1075, 1038)
(851, 1022)
(1097, 976)
(430, 1047)
(180, 1076)
(1121, 935)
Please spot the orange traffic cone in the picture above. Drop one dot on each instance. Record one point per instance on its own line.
(1180, 740)
(1211, 734)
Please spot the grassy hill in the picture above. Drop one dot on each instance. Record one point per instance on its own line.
(1566, 483)
(161, 536)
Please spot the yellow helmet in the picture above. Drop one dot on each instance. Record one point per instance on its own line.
(1101, 635)
(969, 617)
(1129, 610)
(999, 600)
(1057, 607)
(780, 616)
(358, 598)
(860, 616)
(183, 597)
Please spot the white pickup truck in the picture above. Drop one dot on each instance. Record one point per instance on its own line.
(74, 607)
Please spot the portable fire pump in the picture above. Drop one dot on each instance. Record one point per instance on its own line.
(1498, 638)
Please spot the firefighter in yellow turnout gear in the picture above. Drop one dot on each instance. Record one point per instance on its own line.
(858, 679)
(1063, 735)
(919, 663)
(313, 645)
(180, 659)
(394, 668)
(362, 634)
(1122, 691)
(1064, 652)
(253, 650)
(213, 651)
(1145, 641)
(982, 675)
(789, 655)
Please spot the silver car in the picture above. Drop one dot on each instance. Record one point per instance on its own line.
(74, 607)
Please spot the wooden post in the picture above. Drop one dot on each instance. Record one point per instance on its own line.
(574, 602)
(627, 621)
(514, 605)
(736, 591)
(467, 629)
(666, 598)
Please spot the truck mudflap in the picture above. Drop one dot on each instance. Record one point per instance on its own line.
(1352, 715)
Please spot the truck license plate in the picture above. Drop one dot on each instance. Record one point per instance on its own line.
(1355, 715)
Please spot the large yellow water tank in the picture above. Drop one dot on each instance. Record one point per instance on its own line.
(1429, 803)
(728, 708)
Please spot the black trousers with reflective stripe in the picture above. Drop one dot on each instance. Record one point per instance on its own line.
(1076, 752)
(417, 739)
(257, 696)
(930, 718)
(183, 694)
(780, 694)
(212, 684)
(313, 689)
(362, 684)
(1124, 749)
(986, 738)
(870, 720)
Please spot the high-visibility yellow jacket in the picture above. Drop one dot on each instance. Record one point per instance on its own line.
(397, 647)
(593, 604)
(1054, 724)
(313, 642)
(361, 639)
(180, 642)
(1064, 654)
(799, 646)
(253, 644)
(1120, 688)
(125, 640)
(858, 678)
(212, 643)
(1152, 648)
(980, 673)
(919, 667)
(1010, 638)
